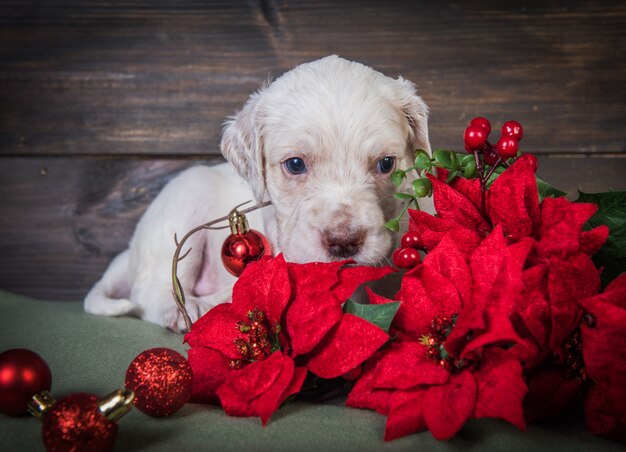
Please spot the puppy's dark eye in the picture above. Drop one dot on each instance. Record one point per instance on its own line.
(386, 164)
(295, 165)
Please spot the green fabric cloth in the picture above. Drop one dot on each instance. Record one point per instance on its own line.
(90, 354)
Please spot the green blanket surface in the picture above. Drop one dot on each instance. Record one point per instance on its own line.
(90, 354)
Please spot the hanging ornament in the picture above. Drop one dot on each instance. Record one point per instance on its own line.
(23, 373)
(80, 422)
(161, 379)
(243, 245)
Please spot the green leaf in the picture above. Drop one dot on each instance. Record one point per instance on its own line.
(397, 177)
(404, 196)
(612, 213)
(547, 190)
(470, 169)
(422, 187)
(468, 158)
(454, 161)
(393, 224)
(422, 160)
(443, 158)
(380, 315)
(452, 175)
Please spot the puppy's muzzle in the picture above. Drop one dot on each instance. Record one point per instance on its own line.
(343, 245)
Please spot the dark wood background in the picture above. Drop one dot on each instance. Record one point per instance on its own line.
(101, 102)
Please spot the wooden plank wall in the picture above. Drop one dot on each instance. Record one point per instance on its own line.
(101, 102)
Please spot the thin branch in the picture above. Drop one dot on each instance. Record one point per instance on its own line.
(177, 292)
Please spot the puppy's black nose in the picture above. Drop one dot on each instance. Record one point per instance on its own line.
(343, 245)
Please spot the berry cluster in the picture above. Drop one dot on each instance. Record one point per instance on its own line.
(258, 339)
(476, 137)
(407, 256)
(438, 332)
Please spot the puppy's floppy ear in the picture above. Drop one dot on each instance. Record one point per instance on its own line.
(242, 145)
(416, 112)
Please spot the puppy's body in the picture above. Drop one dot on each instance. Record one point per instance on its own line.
(319, 143)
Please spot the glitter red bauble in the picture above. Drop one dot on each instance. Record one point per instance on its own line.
(23, 374)
(241, 249)
(76, 424)
(162, 381)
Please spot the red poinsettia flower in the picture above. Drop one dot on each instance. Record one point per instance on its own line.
(451, 362)
(244, 353)
(603, 336)
(513, 203)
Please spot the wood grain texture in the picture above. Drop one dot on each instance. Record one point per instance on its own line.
(64, 219)
(160, 76)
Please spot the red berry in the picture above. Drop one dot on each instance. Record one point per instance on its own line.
(411, 240)
(513, 129)
(482, 122)
(474, 138)
(405, 258)
(507, 147)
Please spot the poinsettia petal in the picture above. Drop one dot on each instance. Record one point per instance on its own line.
(452, 205)
(232, 402)
(433, 229)
(349, 344)
(604, 412)
(532, 311)
(501, 387)
(591, 241)
(447, 407)
(449, 261)
(210, 369)
(315, 276)
(404, 365)
(424, 294)
(561, 226)
(604, 341)
(351, 277)
(264, 285)
(251, 381)
(216, 329)
(270, 400)
(513, 199)
(550, 394)
(365, 395)
(310, 317)
(405, 418)
(568, 282)
(470, 188)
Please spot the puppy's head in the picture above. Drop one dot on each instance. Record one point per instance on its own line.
(320, 142)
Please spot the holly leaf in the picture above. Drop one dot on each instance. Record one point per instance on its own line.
(612, 213)
(545, 190)
(443, 158)
(380, 315)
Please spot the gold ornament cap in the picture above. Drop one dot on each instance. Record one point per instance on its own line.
(40, 404)
(115, 405)
(238, 222)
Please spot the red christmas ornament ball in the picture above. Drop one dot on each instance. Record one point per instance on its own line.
(162, 381)
(241, 249)
(23, 373)
(76, 424)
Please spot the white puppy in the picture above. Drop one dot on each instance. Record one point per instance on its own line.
(319, 143)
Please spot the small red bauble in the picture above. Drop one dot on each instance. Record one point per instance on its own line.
(243, 245)
(513, 129)
(474, 138)
(23, 373)
(411, 239)
(405, 258)
(507, 147)
(482, 122)
(161, 379)
(77, 424)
